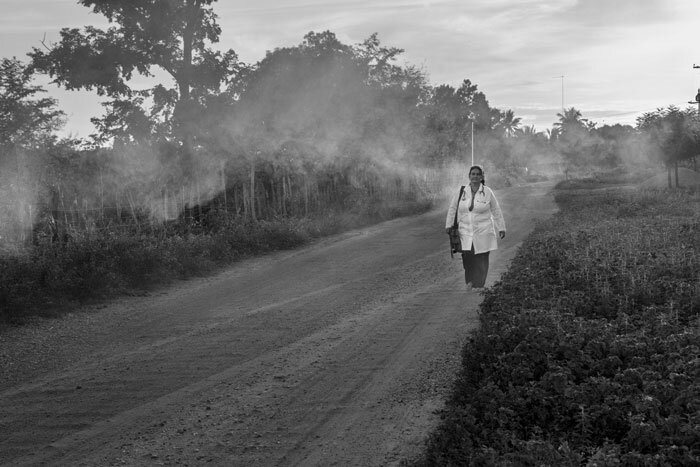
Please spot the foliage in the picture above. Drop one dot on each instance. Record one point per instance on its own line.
(508, 123)
(571, 121)
(109, 260)
(303, 126)
(24, 120)
(449, 115)
(171, 35)
(306, 123)
(588, 350)
(27, 126)
(331, 104)
(583, 145)
(673, 135)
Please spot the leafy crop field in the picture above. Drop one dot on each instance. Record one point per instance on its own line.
(589, 346)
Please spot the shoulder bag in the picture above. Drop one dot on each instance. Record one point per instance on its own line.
(455, 242)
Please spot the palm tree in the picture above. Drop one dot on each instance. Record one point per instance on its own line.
(508, 123)
(569, 120)
(553, 133)
(527, 131)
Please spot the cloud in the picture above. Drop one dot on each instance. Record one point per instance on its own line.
(621, 13)
(623, 55)
(629, 55)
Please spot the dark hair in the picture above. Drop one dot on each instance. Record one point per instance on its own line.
(483, 177)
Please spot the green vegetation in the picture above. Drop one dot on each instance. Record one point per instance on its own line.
(589, 346)
(674, 135)
(105, 261)
(310, 129)
(666, 136)
(219, 160)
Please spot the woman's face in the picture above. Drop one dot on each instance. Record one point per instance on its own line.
(475, 176)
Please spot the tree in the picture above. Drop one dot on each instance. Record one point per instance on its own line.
(27, 126)
(508, 123)
(24, 120)
(553, 134)
(378, 60)
(173, 35)
(531, 149)
(573, 139)
(450, 113)
(570, 121)
(617, 144)
(674, 134)
(528, 131)
(477, 106)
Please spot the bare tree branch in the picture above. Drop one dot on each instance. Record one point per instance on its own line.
(43, 42)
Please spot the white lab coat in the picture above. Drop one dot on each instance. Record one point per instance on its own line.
(480, 226)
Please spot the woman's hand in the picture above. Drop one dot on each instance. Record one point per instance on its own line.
(502, 234)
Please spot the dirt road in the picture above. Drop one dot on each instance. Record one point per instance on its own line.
(339, 353)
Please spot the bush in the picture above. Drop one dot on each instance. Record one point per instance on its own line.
(108, 261)
(588, 350)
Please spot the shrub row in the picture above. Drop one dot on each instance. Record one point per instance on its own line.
(95, 264)
(589, 347)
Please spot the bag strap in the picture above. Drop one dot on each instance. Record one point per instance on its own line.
(461, 192)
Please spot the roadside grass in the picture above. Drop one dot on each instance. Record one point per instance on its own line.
(90, 265)
(589, 347)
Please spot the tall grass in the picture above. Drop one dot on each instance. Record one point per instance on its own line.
(94, 264)
(589, 346)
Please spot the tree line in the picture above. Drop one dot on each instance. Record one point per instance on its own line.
(668, 136)
(318, 126)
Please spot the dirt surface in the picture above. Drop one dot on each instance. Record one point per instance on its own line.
(339, 353)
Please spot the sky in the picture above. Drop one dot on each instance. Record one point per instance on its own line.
(611, 60)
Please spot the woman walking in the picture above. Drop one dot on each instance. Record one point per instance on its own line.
(479, 217)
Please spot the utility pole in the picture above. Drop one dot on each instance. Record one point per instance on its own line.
(473, 141)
